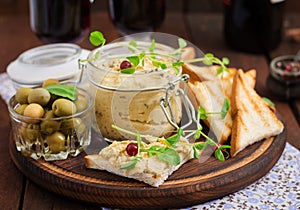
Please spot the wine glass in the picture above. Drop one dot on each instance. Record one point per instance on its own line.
(135, 16)
(55, 21)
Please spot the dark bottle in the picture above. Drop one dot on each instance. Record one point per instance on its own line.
(253, 26)
(60, 20)
(134, 16)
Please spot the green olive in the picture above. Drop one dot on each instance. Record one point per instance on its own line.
(40, 96)
(20, 109)
(49, 126)
(81, 105)
(72, 125)
(63, 107)
(49, 82)
(49, 114)
(56, 142)
(35, 111)
(22, 95)
(30, 132)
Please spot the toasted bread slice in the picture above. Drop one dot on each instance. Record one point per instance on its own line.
(253, 119)
(210, 95)
(205, 73)
(227, 81)
(150, 169)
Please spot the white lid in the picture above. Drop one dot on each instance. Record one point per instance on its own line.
(59, 61)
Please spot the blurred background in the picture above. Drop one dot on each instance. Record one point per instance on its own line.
(7, 6)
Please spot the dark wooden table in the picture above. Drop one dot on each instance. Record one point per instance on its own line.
(202, 29)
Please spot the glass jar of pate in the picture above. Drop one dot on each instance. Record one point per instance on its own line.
(147, 101)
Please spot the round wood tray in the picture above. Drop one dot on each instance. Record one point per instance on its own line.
(191, 184)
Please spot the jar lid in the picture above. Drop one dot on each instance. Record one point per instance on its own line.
(59, 61)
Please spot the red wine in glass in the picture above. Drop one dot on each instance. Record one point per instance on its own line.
(56, 21)
(134, 16)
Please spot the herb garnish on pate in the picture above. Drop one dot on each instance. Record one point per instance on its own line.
(97, 39)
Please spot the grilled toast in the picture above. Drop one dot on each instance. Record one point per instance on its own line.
(253, 119)
(210, 95)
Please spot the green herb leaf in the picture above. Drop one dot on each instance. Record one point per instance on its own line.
(203, 113)
(152, 46)
(132, 46)
(196, 154)
(128, 71)
(225, 60)
(154, 150)
(220, 70)
(179, 63)
(97, 38)
(224, 146)
(182, 43)
(170, 156)
(268, 101)
(175, 138)
(156, 63)
(131, 163)
(219, 155)
(133, 43)
(225, 108)
(163, 66)
(197, 134)
(200, 145)
(62, 90)
(135, 60)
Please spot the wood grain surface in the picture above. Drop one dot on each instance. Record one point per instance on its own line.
(197, 181)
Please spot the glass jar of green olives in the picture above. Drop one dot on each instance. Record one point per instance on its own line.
(52, 132)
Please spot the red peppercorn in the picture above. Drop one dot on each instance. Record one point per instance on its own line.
(125, 64)
(132, 149)
(288, 68)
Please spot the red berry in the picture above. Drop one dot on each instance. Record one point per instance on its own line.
(125, 64)
(132, 149)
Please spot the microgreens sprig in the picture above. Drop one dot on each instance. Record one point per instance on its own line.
(97, 39)
(268, 101)
(168, 153)
(210, 59)
(163, 153)
(225, 108)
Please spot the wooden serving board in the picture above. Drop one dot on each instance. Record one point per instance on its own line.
(193, 183)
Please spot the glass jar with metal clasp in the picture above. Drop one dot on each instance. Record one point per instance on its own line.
(149, 101)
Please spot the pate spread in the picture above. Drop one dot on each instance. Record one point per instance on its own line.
(132, 101)
(150, 169)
